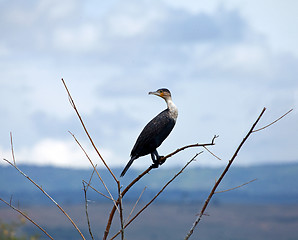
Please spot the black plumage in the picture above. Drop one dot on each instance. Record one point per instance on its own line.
(155, 132)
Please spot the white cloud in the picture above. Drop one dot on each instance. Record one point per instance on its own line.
(53, 152)
(242, 59)
(276, 20)
(84, 38)
(131, 20)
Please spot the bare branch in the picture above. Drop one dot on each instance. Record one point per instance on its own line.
(161, 160)
(26, 216)
(121, 211)
(94, 168)
(273, 121)
(109, 223)
(164, 187)
(94, 189)
(12, 151)
(90, 179)
(222, 176)
(86, 131)
(86, 211)
(227, 190)
(133, 208)
(211, 153)
(48, 196)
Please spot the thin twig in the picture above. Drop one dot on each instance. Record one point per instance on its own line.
(221, 177)
(211, 153)
(135, 205)
(262, 128)
(27, 217)
(10, 200)
(12, 151)
(121, 212)
(91, 176)
(86, 210)
(86, 131)
(162, 160)
(94, 189)
(227, 190)
(164, 187)
(95, 169)
(48, 196)
(111, 216)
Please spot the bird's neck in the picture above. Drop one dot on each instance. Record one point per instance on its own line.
(172, 108)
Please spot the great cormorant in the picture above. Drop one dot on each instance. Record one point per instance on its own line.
(155, 132)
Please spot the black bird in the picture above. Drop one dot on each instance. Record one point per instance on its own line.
(155, 132)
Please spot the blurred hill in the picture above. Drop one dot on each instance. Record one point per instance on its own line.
(275, 184)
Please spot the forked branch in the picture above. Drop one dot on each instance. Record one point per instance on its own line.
(221, 177)
(268, 125)
(213, 191)
(163, 188)
(86, 131)
(94, 168)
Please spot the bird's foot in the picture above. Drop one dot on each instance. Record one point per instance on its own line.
(161, 160)
(158, 162)
(155, 164)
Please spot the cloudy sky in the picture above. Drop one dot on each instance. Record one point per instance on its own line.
(222, 60)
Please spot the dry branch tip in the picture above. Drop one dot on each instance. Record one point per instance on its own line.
(268, 125)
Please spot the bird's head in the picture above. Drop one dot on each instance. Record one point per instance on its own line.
(162, 92)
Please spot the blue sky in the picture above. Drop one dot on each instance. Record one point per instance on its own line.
(222, 60)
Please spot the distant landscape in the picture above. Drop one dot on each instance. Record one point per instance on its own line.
(275, 184)
(264, 209)
(171, 221)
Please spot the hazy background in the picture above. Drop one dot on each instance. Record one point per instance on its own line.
(222, 60)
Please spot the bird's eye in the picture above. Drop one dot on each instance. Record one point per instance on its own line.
(160, 91)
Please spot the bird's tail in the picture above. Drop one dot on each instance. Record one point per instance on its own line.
(128, 166)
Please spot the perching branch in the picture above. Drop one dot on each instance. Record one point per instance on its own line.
(161, 160)
(163, 188)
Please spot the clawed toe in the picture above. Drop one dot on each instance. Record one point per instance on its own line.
(155, 165)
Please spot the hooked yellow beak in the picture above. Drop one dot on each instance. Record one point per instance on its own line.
(157, 93)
